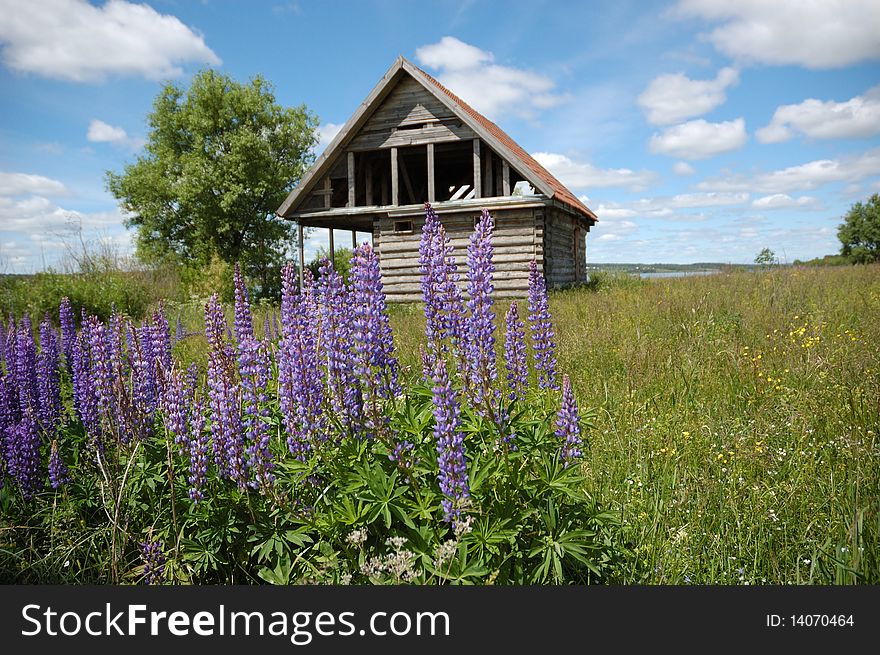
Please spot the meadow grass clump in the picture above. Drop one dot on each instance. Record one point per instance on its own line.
(737, 422)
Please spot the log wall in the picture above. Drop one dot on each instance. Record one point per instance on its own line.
(516, 240)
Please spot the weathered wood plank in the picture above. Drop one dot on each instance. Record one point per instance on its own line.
(430, 172)
(368, 182)
(351, 195)
(478, 180)
(395, 186)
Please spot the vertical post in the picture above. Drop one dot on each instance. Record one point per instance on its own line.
(354, 240)
(368, 182)
(478, 184)
(489, 174)
(395, 191)
(302, 255)
(328, 192)
(332, 249)
(505, 178)
(431, 191)
(350, 180)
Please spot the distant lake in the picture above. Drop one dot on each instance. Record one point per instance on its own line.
(678, 274)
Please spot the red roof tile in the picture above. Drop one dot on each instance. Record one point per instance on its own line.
(560, 193)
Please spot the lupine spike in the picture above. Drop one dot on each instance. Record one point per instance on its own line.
(568, 428)
(542, 329)
(515, 353)
(450, 444)
(481, 318)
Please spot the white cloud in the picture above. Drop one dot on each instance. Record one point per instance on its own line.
(101, 132)
(580, 175)
(488, 87)
(784, 201)
(37, 230)
(77, 41)
(821, 34)
(807, 176)
(683, 168)
(699, 139)
(666, 207)
(673, 97)
(858, 117)
(16, 184)
(326, 133)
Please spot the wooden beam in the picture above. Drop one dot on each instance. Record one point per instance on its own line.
(488, 158)
(395, 186)
(478, 182)
(430, 172)
(302, 256)
(350, 180)
(505, 178)
(328, 192)
(368, 182)
(354, 240)
(332, 248)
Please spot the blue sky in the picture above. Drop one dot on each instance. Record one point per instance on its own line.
(698, 130)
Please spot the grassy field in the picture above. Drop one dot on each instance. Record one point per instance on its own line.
(735, 419)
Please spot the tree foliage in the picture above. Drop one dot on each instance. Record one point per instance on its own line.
(220, 158)
(766, 258)
(859, 233)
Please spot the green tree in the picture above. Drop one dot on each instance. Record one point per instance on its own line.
(859, 233)
(220, 158)
(766, 258)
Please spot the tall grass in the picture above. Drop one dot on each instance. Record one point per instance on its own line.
(737, 420)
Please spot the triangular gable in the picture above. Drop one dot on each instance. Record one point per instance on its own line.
(366, 126)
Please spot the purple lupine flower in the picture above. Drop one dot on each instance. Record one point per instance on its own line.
(115, 335)
(25, 367)
(568, 427)
(253, 369)
(223, 401)
(58, 473)
(276, 331)
(198, 452)
(481, 319)
(253, 363)
(179, 331)
(176, 398)
(138, 414)
(374, 359)
(154, 562)
(427, 366)
(450, 445)
(542, 329)
(48, 385)
(23, 455)
(68, 330)
(85, 397)
(2, 344)
(430, 268)
(515, 353)
(9, 346)
(105, 377)
(300, 380)
(244, 322)
(444, 305)
(267, 328)
(161, 337)
(335, 318)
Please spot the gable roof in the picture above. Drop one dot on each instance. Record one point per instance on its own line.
(488, 131)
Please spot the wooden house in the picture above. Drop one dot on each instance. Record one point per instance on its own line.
(413, 141)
